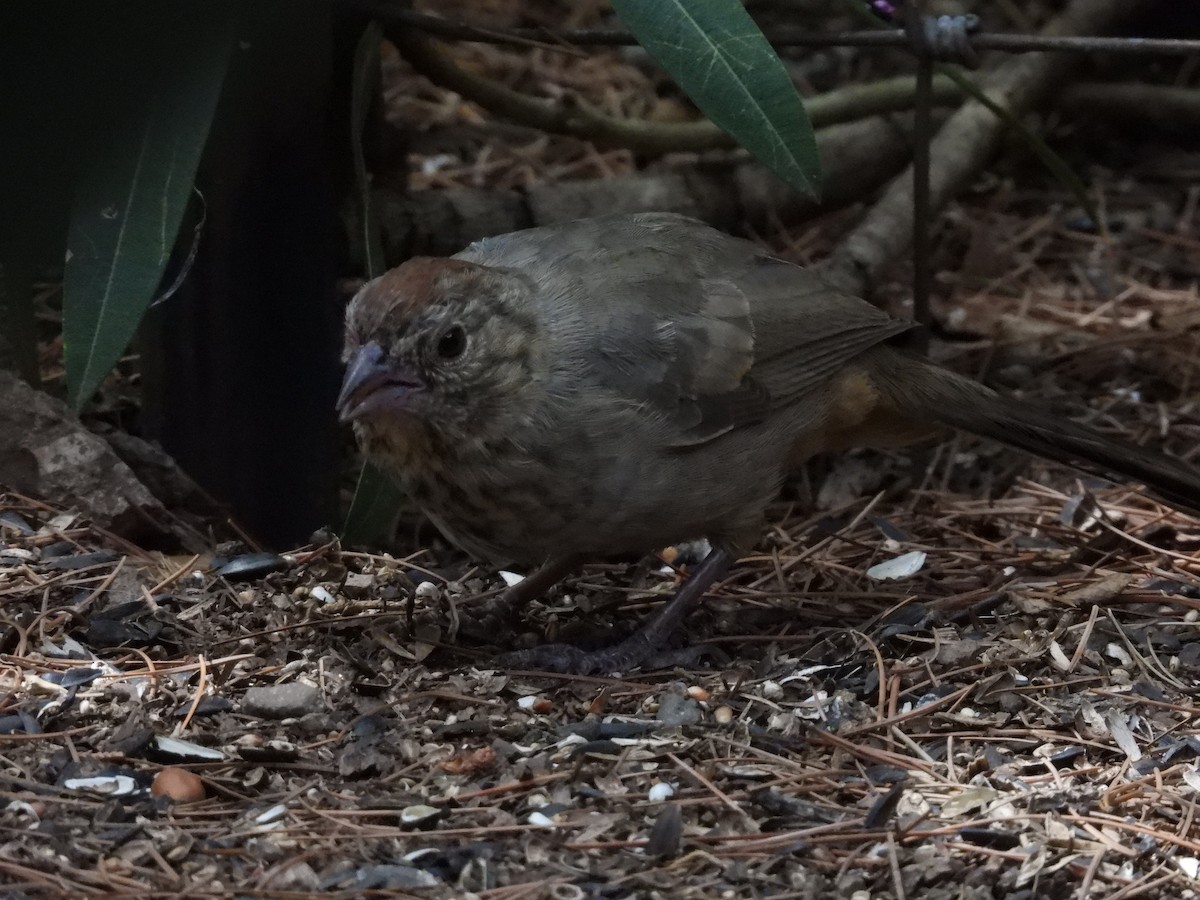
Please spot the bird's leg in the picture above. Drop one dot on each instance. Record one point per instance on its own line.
(497, 617)
(640, 646)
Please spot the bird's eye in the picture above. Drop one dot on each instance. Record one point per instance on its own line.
(452, 343)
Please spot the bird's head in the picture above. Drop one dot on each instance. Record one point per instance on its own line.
(437, 344)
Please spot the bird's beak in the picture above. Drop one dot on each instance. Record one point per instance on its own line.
(371, 384)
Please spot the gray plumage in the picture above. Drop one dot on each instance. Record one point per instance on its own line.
(633, 381)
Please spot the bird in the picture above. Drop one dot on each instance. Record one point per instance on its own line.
(608, 386)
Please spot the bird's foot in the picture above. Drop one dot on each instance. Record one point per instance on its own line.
(643, 646)
(633, 652)
(497, 616)
(571, 660)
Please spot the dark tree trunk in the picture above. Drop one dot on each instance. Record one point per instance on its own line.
(241, 365)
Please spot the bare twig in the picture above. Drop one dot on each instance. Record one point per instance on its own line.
(578, 119)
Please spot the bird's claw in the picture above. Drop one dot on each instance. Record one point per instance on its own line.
(569, 660)
(561, 658)
(496, 617)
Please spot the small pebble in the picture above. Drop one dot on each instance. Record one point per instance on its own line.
(674, 709)
(178, 784)
(659, 792)
(358, 584)
(697, 693)
(723, 715)
(281, 701)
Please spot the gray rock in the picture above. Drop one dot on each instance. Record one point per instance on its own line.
(358, 584)
(281, 701)
(678, 709)
(46, 452)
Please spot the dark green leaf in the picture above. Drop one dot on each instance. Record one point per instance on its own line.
(721, 59)
(131, 194)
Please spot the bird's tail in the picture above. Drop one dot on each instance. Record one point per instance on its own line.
(926, 391)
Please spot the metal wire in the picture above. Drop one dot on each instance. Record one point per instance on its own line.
(449, 29)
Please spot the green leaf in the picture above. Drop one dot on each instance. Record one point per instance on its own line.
(376, 497)
(720, 58)
(132, 193)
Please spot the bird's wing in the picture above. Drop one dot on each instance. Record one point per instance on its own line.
(684, 354)
(807, 330)
(702, 331)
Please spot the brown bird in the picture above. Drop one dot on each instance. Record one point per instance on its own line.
(610, 386)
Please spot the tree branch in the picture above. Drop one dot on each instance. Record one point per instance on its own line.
(566, 40)
(580, 120)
